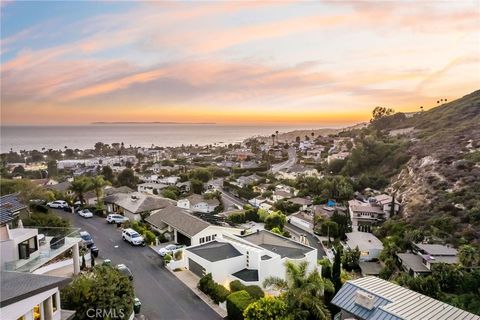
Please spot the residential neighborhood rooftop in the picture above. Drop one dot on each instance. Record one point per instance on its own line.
(16, 286)
(278, 244)
(246, 275)
(413, 261)
(178, 218)
(215, 251)
(364, 240)
(436, 249)
(393, 302)
(137, 202)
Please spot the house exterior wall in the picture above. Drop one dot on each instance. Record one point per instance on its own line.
(220, 270)
(183, 203)
(302, 224)
(212, 231)
(132, 216)
(25, 307)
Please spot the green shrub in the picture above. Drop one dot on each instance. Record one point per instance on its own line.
(237, 302)
(149, 236)
(219, 293)
(206, 284)
(236, 285)
(178, 255)
(167, 258)
(255, 292)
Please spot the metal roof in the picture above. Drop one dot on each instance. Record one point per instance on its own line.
(395, 302)
(9, 207)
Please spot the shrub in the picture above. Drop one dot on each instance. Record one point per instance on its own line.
(206, 284)
(255, 292)
(219, 294)
(237, 218)
(167, 258)
(149, 236)
(178, 255)
(236, 285)
(237, 302)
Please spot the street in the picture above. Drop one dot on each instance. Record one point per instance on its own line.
(292, 159)
(163, 296)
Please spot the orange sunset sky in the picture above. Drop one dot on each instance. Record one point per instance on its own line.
(282, 62)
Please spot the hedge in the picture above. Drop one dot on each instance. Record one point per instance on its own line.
(217, 292)
(237, 302)
(236, 285)
(255, 292)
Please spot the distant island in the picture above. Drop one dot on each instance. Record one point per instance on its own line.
(149, 122)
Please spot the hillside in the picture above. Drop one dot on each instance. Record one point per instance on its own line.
(440, 184)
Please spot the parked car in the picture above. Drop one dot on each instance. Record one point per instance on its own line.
(125, 270)
(133, 237)
(116, 218)
(86, 238)
(85, 213)
(58, 204)
(169, 249)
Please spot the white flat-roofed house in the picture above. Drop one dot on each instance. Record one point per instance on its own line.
(31, 296)
(370, 246)
(250, 259)
(256, 202)
(151, 187)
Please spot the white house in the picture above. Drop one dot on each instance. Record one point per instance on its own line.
(370, 246)
(303, 220)
(170, 181)
(24, 249)
(256, 202)
(250, 259)
(365, 214)
(31, 296)
(183, 227)
(197, 203)
(385, 202)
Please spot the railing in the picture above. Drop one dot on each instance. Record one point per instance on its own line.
(52, 241)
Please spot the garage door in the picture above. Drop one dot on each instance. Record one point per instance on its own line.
(196, 268)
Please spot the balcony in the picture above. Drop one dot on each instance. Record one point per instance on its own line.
(51, 242)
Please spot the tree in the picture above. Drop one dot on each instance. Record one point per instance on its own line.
(351, 258)
(197, 186)
(107, 173)
(303, 292)
(103, 289)
(201, 174)
(80, 186)
(52, 168)
(380, 112)
(266, 309)
(468, 256)
(97, 183)
(448, 276)
(275, 220)
(127, 178)
(337, 269)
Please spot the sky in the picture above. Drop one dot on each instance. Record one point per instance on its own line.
(282, 62)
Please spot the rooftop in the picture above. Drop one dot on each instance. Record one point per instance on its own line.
(278, 244)
(215, 251)
(9, 206)
(370, 268)
(17, 286)
(393, 302)
(413, 262)
(363, 240)
(137, 202)
(246, 275)
(178, 218)
(436, 249)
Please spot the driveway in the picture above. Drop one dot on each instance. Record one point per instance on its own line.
(163, 296)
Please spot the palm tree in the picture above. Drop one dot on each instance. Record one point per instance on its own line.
(79, 187)
(467, 255)
(303, 292)
(276, 133)
(97, 183)
(273, 139)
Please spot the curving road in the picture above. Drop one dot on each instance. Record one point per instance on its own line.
(292, 159)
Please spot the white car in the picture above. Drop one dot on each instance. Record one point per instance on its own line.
(116, 218)
(133, 237)
(60, 204)
(85, 213)
(169, 249)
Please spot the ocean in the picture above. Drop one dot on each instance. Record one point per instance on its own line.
(141, 135)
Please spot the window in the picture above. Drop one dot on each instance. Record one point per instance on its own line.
(27, 247)
(209, 238)
(54, 301)
(202, 240)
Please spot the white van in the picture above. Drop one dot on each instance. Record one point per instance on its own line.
(133, 237)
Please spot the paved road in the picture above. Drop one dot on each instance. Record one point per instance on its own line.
(292, 159)
(163, 296)
(228, 199)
